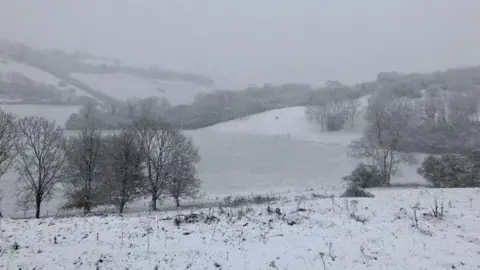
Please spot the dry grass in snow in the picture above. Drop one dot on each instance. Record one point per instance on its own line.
(306, 231)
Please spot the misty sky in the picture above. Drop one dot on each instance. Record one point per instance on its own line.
(257, 41)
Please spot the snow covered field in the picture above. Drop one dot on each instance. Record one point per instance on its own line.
(37, 75)
(249, 161)
(305, 234)
(243, 160)
(288, 123)
(292, 123)
(123, 86)
(276, 152)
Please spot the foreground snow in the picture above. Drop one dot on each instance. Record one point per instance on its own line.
(306, 234)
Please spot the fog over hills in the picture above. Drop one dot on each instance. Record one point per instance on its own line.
(213, 134)
(256, 42)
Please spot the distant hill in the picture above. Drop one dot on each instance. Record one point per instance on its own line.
(28, 75)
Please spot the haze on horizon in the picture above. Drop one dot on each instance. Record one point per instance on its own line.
(239, 43)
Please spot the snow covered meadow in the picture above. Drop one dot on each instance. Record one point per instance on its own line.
(9, 66)
(277, 154)
(273, 151)
(123, 86)
(306, 231)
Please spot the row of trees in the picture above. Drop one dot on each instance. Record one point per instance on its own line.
(206, 109)
(147, 158)
(334, 106)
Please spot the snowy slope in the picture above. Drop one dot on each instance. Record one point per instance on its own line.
(123, 86)
(307, 234)
(234, 163)
(282, 122)
(37, 75)
(290, 123)
(246, 157)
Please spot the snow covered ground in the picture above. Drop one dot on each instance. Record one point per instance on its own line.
(123, 86)
(292, 123)
(37, 75)
(305, 234)
(276, 152)
(242, 162)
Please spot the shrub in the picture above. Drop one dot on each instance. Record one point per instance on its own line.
(365, 176)
(237, 201)
(355, 191)
(449, 171)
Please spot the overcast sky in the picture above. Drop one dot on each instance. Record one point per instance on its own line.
(241, 42)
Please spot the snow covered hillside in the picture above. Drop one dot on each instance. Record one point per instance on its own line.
(123, 86)
(10, 68)
(236, 162)
(299, 232)
(292, 123)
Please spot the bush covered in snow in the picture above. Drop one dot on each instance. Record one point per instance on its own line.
(449, 171)
(355, 191)
(365, 176)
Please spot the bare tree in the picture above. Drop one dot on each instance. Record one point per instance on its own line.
(41, 156)
(8, 140)
(157, 144)
(124, 169)
(184, 182)
(352, 107)
(317, 115)
(328, 108)
(389, 126)
(85, 167)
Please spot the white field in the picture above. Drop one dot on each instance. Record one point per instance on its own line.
(291, 123)
(123, 86)
(285, 156)
(37, 75)
(320, 235)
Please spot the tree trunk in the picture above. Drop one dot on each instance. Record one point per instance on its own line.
(121, 207)
(177, 201)
(1, 216)
(38, 202)
(87, 208)
(386, 180)
(154, 202)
